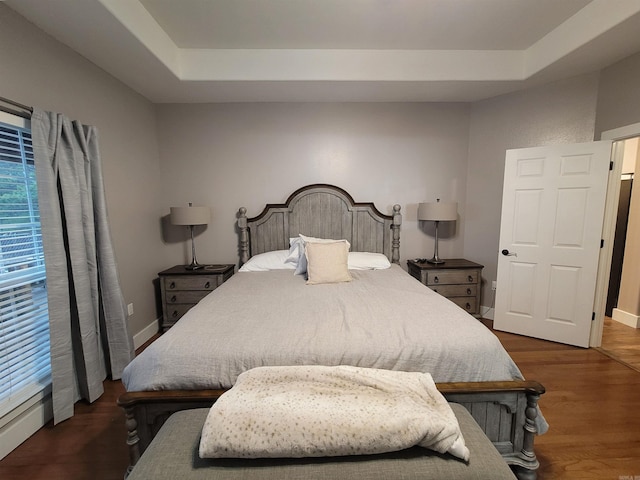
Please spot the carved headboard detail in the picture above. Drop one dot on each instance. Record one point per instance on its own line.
(323, 211)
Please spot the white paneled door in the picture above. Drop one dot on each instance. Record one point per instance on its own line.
(551, 225)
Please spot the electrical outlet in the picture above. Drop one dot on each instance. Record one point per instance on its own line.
(130, 309)
(494, 285)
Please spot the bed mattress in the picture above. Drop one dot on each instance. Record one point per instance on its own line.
(382, 319)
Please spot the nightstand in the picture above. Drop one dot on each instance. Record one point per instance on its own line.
(457, 279)
(181, 289)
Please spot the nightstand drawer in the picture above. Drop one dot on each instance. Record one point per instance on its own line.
(201, 282)
(175, 312)
(468, 303)
(186, 296)
(455, 290)
(457, 279)
(452, 277)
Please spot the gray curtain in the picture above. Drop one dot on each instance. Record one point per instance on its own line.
(87, 312)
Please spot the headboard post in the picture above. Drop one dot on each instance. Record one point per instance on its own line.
(244, 235)
(395, 227)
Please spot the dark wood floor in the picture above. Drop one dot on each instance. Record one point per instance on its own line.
(621, 342)
(592, 404)
(91, 445)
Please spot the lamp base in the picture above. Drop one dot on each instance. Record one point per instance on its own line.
(436, 258)
(194, 266)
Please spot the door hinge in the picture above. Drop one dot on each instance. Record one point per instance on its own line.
(602, 243)
(611, 165)
(593, 316)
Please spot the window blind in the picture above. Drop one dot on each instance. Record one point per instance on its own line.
(24, 324)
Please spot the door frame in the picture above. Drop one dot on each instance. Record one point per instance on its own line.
(609, 227)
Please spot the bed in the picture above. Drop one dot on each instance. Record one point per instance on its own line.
(383, 319)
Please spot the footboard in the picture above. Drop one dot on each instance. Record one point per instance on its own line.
(506, 412)
(145, 412)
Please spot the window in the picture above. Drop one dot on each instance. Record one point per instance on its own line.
(24, 323)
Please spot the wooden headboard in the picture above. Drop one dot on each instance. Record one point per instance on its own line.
(323, 211)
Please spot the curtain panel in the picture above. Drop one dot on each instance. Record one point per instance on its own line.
(87, 312)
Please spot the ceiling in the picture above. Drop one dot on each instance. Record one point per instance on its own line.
(204, 51)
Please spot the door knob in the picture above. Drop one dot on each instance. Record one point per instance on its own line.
(506, 253)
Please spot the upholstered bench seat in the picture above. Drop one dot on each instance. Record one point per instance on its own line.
(173, 454)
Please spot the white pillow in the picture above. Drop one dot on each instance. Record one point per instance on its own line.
(327, 262)
(264, 262)
(368, 261)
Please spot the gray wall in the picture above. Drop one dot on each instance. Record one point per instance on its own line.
(561, 112)
(619, 95)
(233, 155)
(38, 70)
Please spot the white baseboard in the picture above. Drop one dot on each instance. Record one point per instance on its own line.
(24, 422)
(627, 318)
(145, 334)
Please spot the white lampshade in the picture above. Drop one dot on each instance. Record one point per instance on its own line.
(438, 211)
(190, 215)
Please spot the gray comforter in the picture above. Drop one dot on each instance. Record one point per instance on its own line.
(382, 319)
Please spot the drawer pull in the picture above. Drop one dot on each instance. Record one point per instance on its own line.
(468, 306)
(172, 285)
(468, 291)
(174, 298)
(470, 278)
(174, 314)
(435, 290)
(435, 279)
(207, 285)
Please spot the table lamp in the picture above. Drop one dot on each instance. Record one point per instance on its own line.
(437, 212)
(191, 216)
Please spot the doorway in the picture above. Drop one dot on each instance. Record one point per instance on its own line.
(618, 136)
(630, 158)
(621, 337)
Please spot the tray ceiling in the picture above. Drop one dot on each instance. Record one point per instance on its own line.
(339, 50)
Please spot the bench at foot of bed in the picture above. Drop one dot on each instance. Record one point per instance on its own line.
(174, 454)
(505, 411)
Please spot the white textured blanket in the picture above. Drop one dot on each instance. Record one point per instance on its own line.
(314, 411)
